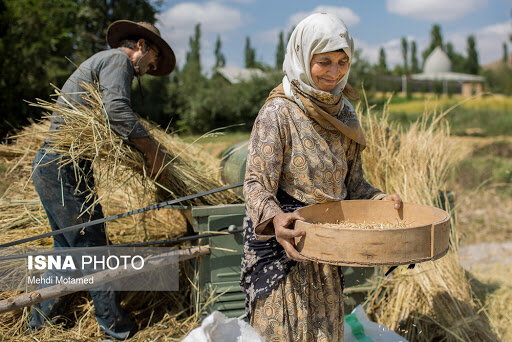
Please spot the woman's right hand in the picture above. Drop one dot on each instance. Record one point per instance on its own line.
(285, 234)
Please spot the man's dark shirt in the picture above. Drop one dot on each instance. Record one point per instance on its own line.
(114, 71)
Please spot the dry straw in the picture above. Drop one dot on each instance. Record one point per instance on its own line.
(85, 134)
(434, 301)
(165, 316)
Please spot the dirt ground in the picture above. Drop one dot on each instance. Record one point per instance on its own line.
(484, 214)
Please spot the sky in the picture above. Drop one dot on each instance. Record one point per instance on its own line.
(372, 23)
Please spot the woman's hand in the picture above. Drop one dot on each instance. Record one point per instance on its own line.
(396, 198)
(283, 227)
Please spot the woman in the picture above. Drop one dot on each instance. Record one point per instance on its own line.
(305, 148)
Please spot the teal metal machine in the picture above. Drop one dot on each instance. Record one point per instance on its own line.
(217, 275)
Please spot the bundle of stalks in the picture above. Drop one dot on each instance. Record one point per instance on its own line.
(85, 134)
(434, 301)
(160, 315)
(22, 214)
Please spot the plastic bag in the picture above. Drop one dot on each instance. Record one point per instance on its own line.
(358, 328)
(218, 328)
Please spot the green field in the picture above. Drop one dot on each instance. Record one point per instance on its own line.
(480, 116)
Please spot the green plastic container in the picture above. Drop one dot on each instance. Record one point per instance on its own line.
(233, 165)
(217, 275)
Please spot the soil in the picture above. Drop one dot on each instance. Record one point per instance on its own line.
(482, 255)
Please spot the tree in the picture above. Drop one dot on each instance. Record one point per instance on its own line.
(94, 17)
(414, 58)
(36, 37)
(361, 72)
(382, 67)
(250, 54)
(436, 39)
(472, 59)
(220, 60)
(458, 60)
(192, 67)
(280, 51)
(404, 54)
(505, 53)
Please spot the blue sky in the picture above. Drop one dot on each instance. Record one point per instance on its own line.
(372, 23)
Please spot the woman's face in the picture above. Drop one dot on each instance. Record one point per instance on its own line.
(328, 68)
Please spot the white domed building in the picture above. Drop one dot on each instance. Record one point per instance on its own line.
(438, 69)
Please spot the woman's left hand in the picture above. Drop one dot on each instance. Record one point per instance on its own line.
(396, 198)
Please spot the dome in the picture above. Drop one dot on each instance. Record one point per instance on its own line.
(437, 62)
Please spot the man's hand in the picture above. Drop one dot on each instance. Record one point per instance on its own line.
(154, 155)
(283, 227)
(396, 198)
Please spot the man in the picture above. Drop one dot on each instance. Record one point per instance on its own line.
(67, 194)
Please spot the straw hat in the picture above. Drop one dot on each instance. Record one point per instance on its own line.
(123, 29)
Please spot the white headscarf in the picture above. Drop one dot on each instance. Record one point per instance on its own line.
(318, 33)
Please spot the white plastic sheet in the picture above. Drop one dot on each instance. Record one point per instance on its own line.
(218, 328)
(358, 328)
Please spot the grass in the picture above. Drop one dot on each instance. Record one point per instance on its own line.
(218, 144)
(483, 116)
(490, 162)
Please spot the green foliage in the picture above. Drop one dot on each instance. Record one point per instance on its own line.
(398, 70)
(361, 72)
(199, 105)
(220, 60)
(217, 103)
(472, 59)
(405, 48)
(382, 67)
(192, 68)
(414, 58)
(458, 61)
(94, 17)
(160, 100)
(491, 162)
(250, 54)
(280, 50)
(436, 39)
(500, 79)
(36, 37)
(488, 116)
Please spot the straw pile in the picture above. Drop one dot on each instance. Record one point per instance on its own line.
(434, 301)
(161, 315)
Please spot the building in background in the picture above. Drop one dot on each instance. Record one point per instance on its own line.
(438, 69)
(236, 75)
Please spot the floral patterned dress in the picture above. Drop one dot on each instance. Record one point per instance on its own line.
(294, 161)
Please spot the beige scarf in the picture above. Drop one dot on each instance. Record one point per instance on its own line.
(324, 113)
(319, 33)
